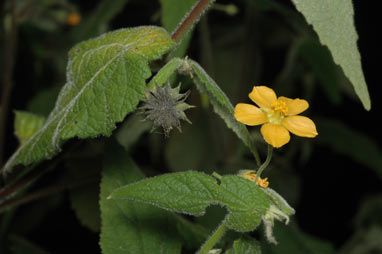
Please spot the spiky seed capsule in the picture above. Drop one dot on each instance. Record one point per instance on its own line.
(165, 107)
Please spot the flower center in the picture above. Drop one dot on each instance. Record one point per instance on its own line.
(278, 112)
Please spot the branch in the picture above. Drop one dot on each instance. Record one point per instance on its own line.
(190, 20)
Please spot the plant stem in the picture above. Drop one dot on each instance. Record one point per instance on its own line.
(216, 175)
(214, 238)
(7, 81)
(30, 174)
(265, 164)
(44, 193)
(190, 19)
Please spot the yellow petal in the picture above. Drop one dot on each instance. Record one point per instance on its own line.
(263, 96)
(249, 114)
(300, 126)
(295, 106)
(275, 134)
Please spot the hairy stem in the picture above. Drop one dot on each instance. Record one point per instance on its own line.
(214, 238)
(190, 20)
(265, 164)
(7, 80)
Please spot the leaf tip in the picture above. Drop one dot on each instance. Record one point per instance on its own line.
(367, 105)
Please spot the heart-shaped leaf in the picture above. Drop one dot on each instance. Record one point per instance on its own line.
(192, 192)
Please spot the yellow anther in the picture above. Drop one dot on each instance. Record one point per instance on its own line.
(279, 107)
(252, 176)
(263, 182)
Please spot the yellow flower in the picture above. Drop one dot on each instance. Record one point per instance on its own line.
(251, 175)
(278, 116)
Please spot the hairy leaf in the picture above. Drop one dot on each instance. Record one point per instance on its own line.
(334, 23)
(130, 227)
(26, 125)
(192, 192)
(166, 72)
(189, 192)
(245, 201)
(105, 81)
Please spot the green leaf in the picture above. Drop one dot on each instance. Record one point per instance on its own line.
(346, 141)
(221, 104)
(279, 201)
(246, 245)
(83, 174)
(84, 201)
(130, 227)
(166, 72)
(105, 81)
(26, 125)
(334, 23)
(188, 192)
(131, 130)
(192, 192)
(245, 201)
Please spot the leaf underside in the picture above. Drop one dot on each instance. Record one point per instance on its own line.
(334, 23)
